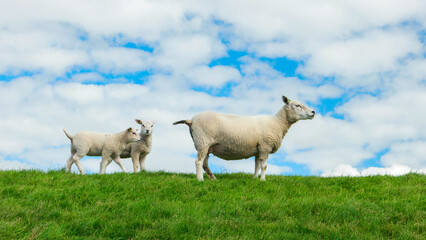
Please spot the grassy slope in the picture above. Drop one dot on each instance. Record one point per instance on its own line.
(36, 205)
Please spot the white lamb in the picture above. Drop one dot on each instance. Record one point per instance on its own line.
(138, 150)
(232, 137)
(107, 145)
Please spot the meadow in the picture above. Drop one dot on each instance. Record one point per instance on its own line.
(160, 205)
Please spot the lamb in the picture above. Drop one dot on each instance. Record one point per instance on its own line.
(109, 146)
(232, 137)
(140, 149)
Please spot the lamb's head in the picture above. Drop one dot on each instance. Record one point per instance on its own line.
(132, 135)
(297, 111)
(146, 127)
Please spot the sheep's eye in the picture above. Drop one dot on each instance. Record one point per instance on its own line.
(143, 125)
(298, 105)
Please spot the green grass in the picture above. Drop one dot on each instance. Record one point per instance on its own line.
(56, 205)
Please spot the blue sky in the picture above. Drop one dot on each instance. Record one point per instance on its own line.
(80, 66)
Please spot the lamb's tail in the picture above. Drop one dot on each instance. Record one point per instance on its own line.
(69, 136)
(187, 122)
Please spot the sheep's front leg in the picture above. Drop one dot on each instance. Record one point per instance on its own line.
(263, 158)
(202, 153)
(142, 161)
(135, 160)
(120, 163)
(263, 166)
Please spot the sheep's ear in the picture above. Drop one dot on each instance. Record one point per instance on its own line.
(138, 121)
(129, 129)
(286, 100)
(154, 121)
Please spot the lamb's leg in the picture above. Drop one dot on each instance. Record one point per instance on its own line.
(142, 161)
(76, 158)
(70, 161)
(207, 169)
(202, 153)
(135, 160)
(120, 163)
(256, 167)
(106, 159)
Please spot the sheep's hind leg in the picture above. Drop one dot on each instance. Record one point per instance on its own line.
(70, 161)
(76, 158)
(120, 163)
(207, 169)
(202, 154)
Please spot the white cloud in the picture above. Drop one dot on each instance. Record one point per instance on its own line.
(120, 60)
(394, 170)
(342, 170)
(261, 81)
(215, 76)
(322, 159)
(353, 61)
(283, 26)
(410, 153)
(52, 48)
(80, 94)
(48, 157)
(88, 77)
(394, 117)
(13, 165)
(138, 19)
(184, 51)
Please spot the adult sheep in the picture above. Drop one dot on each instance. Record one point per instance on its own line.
(233, 137)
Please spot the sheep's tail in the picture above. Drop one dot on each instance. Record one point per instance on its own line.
(69, 136)
(187, 122)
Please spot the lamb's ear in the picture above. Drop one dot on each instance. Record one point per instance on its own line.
(154, 121)
(129, 129)
(138, 121)
(286, 100)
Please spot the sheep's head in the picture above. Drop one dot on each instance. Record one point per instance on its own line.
(147, 127)
(297, 111)
(132, 135)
